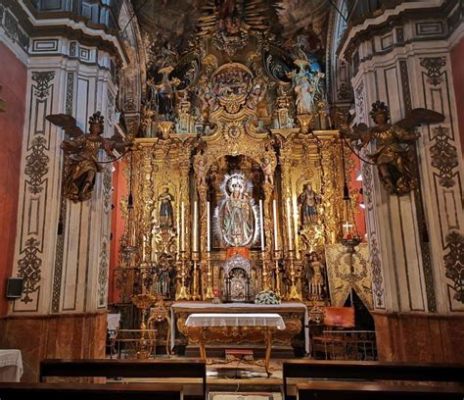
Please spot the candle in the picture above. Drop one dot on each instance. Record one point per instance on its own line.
(261, 224)
(182, 228)
(178, 227)
(295, 224)
(274, 214)
(289, 224)
(195, 226)
(208, 236)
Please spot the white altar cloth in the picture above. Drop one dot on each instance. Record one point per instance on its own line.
(240, 307)
(11, 365)
(229, 319)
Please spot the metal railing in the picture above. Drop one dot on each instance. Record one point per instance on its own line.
(345, 345)
(132, 343)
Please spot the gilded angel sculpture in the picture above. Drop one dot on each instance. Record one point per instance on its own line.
(393, 155)
(81, 154)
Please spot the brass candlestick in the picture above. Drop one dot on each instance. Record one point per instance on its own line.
(195, 286)
(278, 288)
(294, 293)
(209, 278)
(266, 285)
(183, 291)
(145, 344)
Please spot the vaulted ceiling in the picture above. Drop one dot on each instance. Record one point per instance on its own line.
(177, 21)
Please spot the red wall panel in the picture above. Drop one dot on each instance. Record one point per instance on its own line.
(13, 79)
(120, 193)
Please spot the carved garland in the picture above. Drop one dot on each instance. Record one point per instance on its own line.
(107, 189)
(69, 93)
(454, 263)
(377, 278)
(42, 79)
(433, 65)
(29, 269)
(37, 164)
(444, 156)
(359, 100)
(102, 275)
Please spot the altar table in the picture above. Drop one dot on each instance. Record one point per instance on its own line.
(11, 365)
(294, 314)
(267, 322)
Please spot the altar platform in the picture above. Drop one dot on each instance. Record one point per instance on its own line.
(292, 341)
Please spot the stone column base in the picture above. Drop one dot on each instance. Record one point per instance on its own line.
(420, 337)
(53, 336)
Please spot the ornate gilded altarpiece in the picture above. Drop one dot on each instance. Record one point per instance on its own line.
(186, 171)
(234, 158)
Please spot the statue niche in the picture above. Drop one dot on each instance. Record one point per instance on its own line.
(237, 274)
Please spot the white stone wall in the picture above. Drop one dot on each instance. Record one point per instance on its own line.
(64, 259)
(414, 239)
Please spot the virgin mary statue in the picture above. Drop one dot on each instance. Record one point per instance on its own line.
(236, 213)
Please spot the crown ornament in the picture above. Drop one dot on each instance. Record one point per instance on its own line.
(379, 107)
(96, 119)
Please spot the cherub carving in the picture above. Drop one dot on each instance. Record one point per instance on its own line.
(268, 170)
(394, 155)
(81, 154)
(200, 172)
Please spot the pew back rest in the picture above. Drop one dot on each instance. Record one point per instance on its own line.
(115, 368)
(370, 370)
(79, 391)
(332, 390)
(185, 368)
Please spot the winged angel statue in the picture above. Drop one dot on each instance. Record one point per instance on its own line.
(394, 152)
(81, 153)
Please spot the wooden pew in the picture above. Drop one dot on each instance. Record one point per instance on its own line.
(109, 368)
(339, 390)
(369, 370)
(79, 391)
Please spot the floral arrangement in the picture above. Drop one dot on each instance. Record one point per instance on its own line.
(267, 297)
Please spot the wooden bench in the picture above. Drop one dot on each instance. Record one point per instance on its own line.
(333, 390)
(79, 391)
(108, 368)
(369, 370)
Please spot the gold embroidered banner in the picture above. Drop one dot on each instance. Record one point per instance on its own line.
(346, 271)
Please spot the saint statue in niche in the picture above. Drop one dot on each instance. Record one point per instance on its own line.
(304, 91)
(315, 276)
(166, 214)
(308, 201)
(236, 213)
(163, 283)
